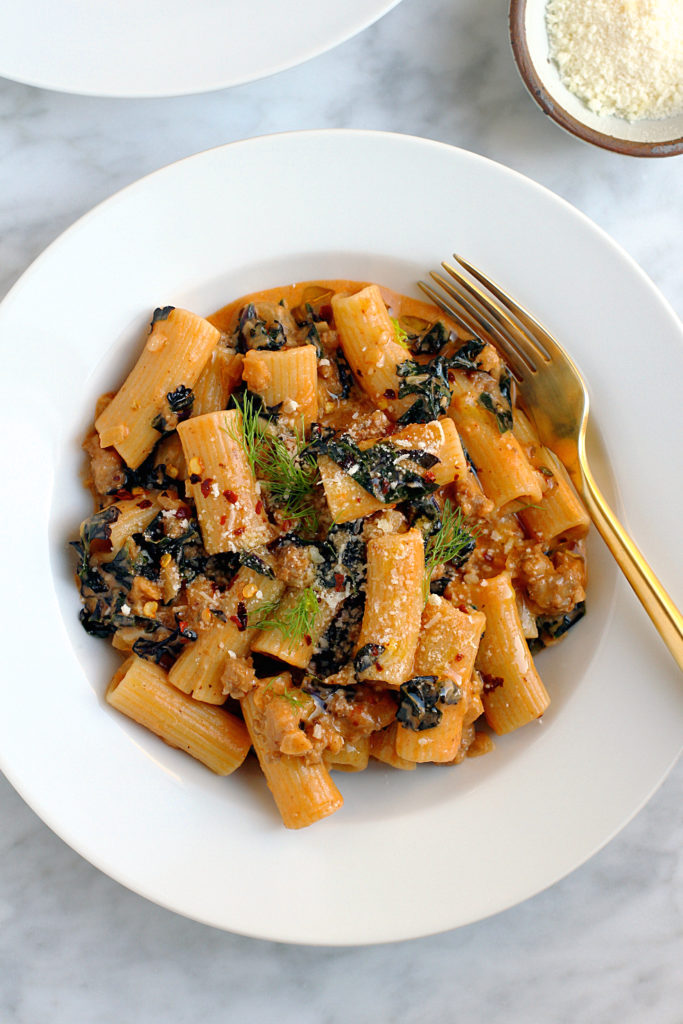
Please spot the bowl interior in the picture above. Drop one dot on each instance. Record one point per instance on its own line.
(531, 48)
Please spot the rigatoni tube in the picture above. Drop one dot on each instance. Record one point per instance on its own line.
(140, 690)
(506, 475)
(304, 793)
(513, 692)
(217, 381)
(393, 607)
(288, 379)
(231, 512)
(448, 645)
(369, 343)
(178, 347)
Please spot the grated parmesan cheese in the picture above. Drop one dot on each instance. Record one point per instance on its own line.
(621, 57)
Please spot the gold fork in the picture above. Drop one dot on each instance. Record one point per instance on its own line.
(554, 394)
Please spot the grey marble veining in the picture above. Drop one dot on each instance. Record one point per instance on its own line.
(604, 945)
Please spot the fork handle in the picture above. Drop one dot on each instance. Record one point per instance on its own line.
(666, 618)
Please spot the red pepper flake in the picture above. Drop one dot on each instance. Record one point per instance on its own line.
(194, 478)
(491, 683)
(241, 619)
(459, 657)
(390, 393)
(123, 494)
(378, 666)
(145, 503)
(338, 581)
(230, 496)
(222, 520)
(206, 486)
(182, 626)
(183, 512)
(239, 531)
(307, 639)
(429, 476)
(259, 507)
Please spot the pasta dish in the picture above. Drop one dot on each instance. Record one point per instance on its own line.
(324, 530)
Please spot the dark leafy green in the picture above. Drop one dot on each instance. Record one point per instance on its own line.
(430, 382)
(367, 656)
(384, 470)
(165, 651)
(256, 564)
(152, 476)
(101, 615)
(180, 404)
(424, 514)
(335, 647)
(181, 400)
(312, 335)
(161, 313)
(344, 372)
(432, 341)
(343, 552)
(186, 549)
(501, 410)
(98, 527)
(255, 333)
(417, 708)
(552, 628)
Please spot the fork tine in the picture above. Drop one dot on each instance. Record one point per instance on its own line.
(477, 321)
(454, 308)
(498, 334)
(537, 330)
(460, 317)
(524, 341)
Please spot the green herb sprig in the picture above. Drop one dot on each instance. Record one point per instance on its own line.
(400, 335)
(294, 702)
(293, 623)
(452, 542)
(290, 479)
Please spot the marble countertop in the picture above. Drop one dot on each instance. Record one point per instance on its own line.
(605, 944)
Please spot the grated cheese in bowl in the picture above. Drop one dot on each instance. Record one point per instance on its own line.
(621, 57)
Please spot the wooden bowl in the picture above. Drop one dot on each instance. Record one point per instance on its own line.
(647, 137)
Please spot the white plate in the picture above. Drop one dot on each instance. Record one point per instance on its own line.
(409, 854)
(144, 48)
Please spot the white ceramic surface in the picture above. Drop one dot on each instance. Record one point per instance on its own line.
(651, 130)
(550, 795)
(147, 48)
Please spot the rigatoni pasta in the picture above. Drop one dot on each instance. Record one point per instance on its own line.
(141, 691)
(336, 480)
(156, 390)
